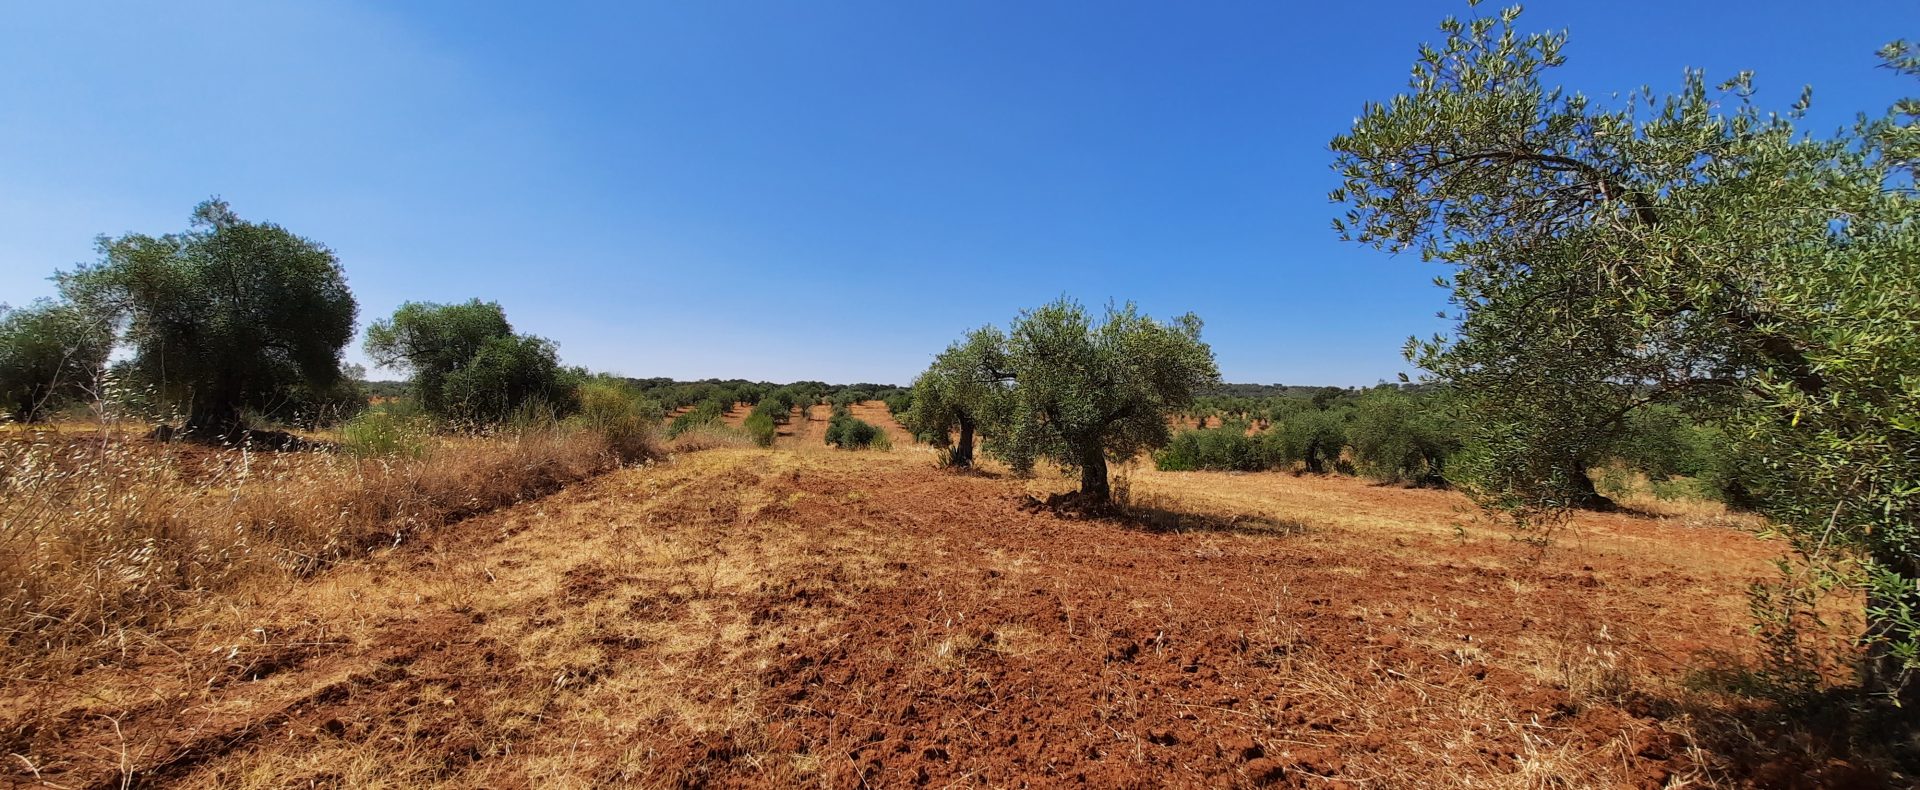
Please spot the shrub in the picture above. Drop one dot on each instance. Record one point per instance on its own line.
(1314, 438)
(1227, 448)
(900, 402)
(1398, 438)
(760, 427)
(382, 433)
(779, 404)
(507, 373)
(50, 355)
(620, 414)
(850, 433)
(705, 412)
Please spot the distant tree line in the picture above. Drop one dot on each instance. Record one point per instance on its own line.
(1427, 437)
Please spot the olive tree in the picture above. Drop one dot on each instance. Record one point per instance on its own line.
(50, 353)
(1686, 249)
(1083, 391)
(228, 316)
(1314, 437)
(507, 374)
(955, 394)
(1401, 438)
(432, 342)
(467, 364)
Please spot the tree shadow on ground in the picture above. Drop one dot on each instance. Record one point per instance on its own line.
(242, 437)
(974, 471)
(1766, 728)
(1158, 519)
(1154, 519)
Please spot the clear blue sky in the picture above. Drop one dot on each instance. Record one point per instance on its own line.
(788, 190)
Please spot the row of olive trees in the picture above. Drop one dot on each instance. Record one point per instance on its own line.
(1689, 251)
(1386, 434)
(231, 322)
(1421, 437)
(1060, 386)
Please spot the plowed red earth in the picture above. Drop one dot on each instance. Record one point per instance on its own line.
(772, 618)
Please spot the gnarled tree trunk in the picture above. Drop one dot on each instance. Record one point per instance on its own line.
(961, 456)
(1093, 478)
(1883, 672)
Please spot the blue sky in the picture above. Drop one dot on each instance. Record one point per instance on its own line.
(788, 190)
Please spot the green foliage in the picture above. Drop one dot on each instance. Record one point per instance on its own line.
(383, 433)
(1083, 391)
(227, 316)
(899, 403)
(1401, 438)
(1314, 438)
(966, 382)
(1682, 457)
(618, 412)
(850, 433)
(1686, 249)
(505, 375)
(433, 341)
(779, 404)
(307, 407)
(760, 428)
(1226, 448)
(707, 412)
(467, 364)
(51, 354)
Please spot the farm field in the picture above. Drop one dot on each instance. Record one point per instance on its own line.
(799, 615)
(691, 395)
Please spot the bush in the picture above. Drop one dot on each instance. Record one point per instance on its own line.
(899, 402)
(1227, 448)
(850, 433)
(383, 433)
(620, 414)
(502, 377)
(705, 412)
(760, 427)
(50, 355)
(1314, 438)
(779, 404)
(1398, 438)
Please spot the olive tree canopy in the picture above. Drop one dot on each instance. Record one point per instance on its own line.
(1683, 248)
(958, 391)
(50, 353)
(467, 364)
(227, 316)
(1084, 391)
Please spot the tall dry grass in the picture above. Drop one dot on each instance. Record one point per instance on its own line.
(105, 536)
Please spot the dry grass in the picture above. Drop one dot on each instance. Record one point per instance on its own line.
(752, 617)
(709, 436)
(104, 536)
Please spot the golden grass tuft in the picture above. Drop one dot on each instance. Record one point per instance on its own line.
(104, 536)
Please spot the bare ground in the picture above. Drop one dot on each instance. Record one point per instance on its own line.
(771, 618)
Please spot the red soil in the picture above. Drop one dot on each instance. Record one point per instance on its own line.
(866, 620)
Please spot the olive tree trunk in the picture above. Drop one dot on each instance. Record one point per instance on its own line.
(961, 455)
(1093, 477)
